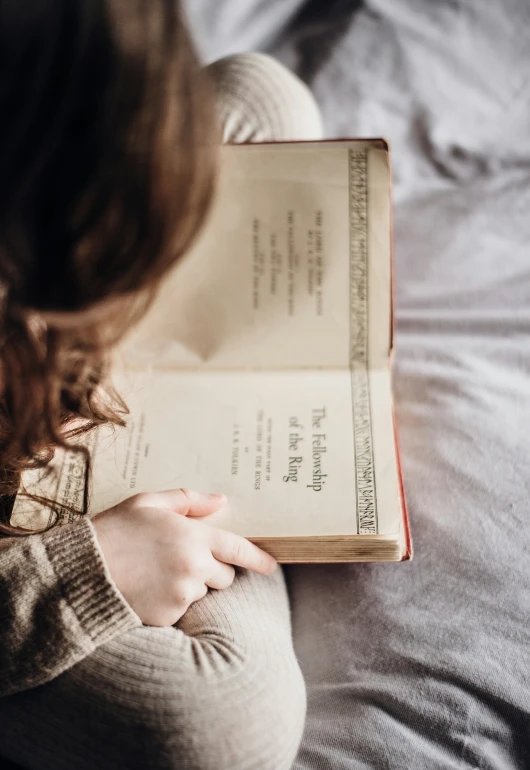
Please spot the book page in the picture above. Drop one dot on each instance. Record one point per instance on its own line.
(280, 445)
(292, 270)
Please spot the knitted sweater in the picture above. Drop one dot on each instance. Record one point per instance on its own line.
(57, 604)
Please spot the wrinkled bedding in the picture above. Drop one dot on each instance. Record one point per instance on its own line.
(426, 666)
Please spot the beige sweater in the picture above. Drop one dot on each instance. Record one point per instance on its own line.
(57, 604)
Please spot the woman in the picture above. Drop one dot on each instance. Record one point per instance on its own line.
(114, 653)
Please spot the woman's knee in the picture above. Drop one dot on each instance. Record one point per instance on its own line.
(182, 702)
(249, 720)
(261, 100)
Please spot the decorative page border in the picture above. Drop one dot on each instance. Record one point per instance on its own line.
(367, 523)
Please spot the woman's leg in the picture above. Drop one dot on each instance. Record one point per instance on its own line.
(222, 690)
(262, 101)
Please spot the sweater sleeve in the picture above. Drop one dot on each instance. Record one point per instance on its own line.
(58, 603)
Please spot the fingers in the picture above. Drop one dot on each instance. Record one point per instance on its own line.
(233, 549)
(222, 575)
(187, 502)
(189, 592)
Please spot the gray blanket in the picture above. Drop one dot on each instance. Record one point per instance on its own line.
(426, 666)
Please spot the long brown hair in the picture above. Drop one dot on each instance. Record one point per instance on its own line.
(106, 172)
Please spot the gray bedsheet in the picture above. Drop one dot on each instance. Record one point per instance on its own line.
(426, 666)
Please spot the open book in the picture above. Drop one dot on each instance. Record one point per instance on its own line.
(262, 369)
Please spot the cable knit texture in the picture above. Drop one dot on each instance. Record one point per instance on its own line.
(220, 691)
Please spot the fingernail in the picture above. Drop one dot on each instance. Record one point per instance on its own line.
(217, 497)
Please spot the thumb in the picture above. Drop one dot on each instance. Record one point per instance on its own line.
(189, 502)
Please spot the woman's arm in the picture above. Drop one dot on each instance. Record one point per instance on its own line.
(65, 592)
(58, 603)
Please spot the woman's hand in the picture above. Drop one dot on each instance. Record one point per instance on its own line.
(162, 559)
